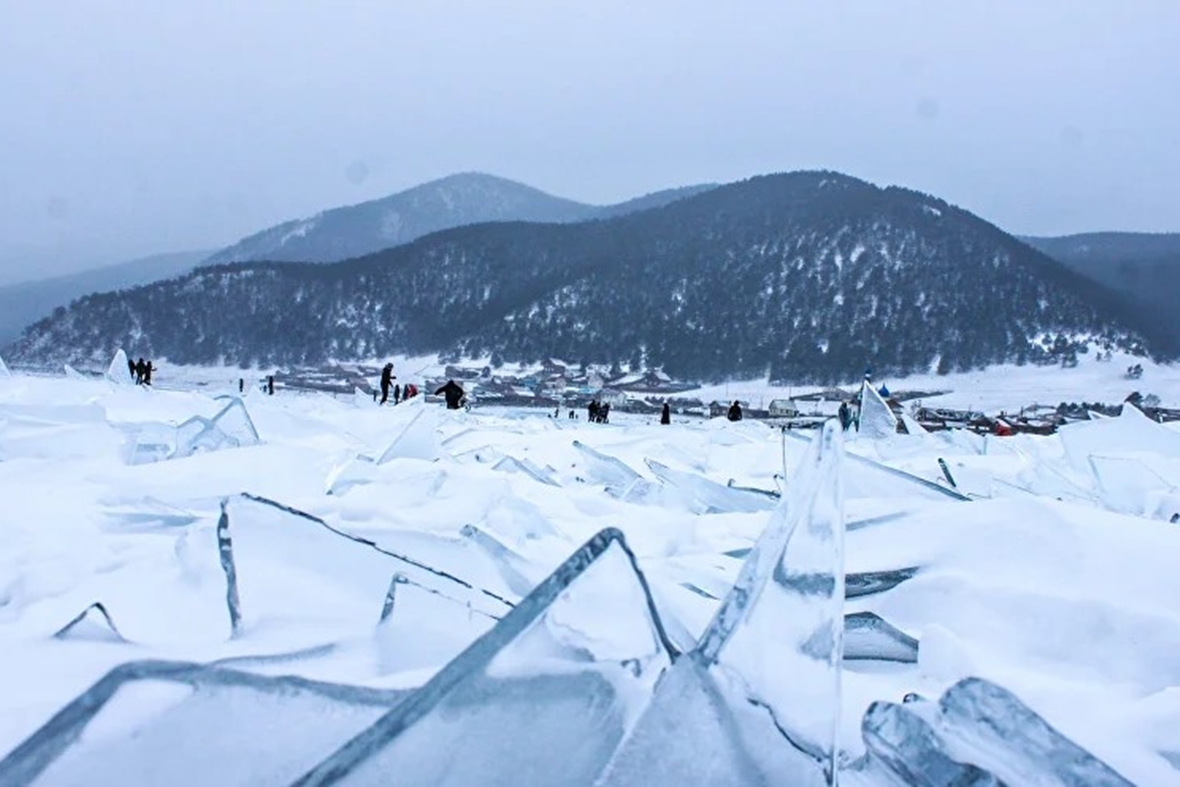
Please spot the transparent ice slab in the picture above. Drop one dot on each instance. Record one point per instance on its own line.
(417, 439)
(283, 564)
(777, 639)
(510, 464)
(900, 743)
(155, 723)
(118, 372)
(757, 700)
(876, 421)
(710, 496)
(596, 467)
(231, 427)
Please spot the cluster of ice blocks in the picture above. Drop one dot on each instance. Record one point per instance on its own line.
(574, 681)
(230, 427)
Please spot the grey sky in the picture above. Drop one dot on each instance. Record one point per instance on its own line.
(135, 126)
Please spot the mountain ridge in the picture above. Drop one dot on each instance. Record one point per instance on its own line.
(798, 275)
(460, 199)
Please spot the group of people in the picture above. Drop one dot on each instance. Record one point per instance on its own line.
(599, 413)
(141, 371)
(389, 386)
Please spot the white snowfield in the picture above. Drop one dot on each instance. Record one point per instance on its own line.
(371, 591)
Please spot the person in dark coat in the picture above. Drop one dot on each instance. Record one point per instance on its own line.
(270, 385)
(453, 393)
(666, 415)
(845, 416)
(131, 369)
(735, 411)
(147, 373)
(592, 411)
(397, 393)
(386, 382)
(140, 371)
(604, 413)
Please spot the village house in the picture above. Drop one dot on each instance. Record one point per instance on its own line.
(782, 408)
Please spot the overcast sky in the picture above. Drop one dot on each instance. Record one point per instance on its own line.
(129, 127)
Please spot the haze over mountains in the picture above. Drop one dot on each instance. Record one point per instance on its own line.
(454, 201)
(21, 304)
(1144, 267)
(805, 276)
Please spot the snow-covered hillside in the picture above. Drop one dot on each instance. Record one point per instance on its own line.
(329, 564)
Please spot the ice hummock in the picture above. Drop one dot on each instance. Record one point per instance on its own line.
(4, 368)
(978, 733)
(568, 671)
(727, 712)
(230, 427)
(784, 616)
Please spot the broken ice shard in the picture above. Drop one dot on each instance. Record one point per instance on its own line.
(543, 698)
(155, 722)
(94, 624)
(869, 583)
(902, 744)
(876, 419)
(869, 637)
(510, 464)
(710, 496)
(417, 439)
(777, 638)
(513, 568)
(119, 372)
(231, 427)
(988, 725)
(600, 468)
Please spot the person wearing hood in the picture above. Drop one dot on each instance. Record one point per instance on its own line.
(666, 415)
(735, 411)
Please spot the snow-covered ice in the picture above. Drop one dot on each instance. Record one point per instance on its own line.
(428, 590)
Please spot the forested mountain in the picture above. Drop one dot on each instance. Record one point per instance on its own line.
(808, 276)
(1143, 266)
(21, 304)
(453, 201)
